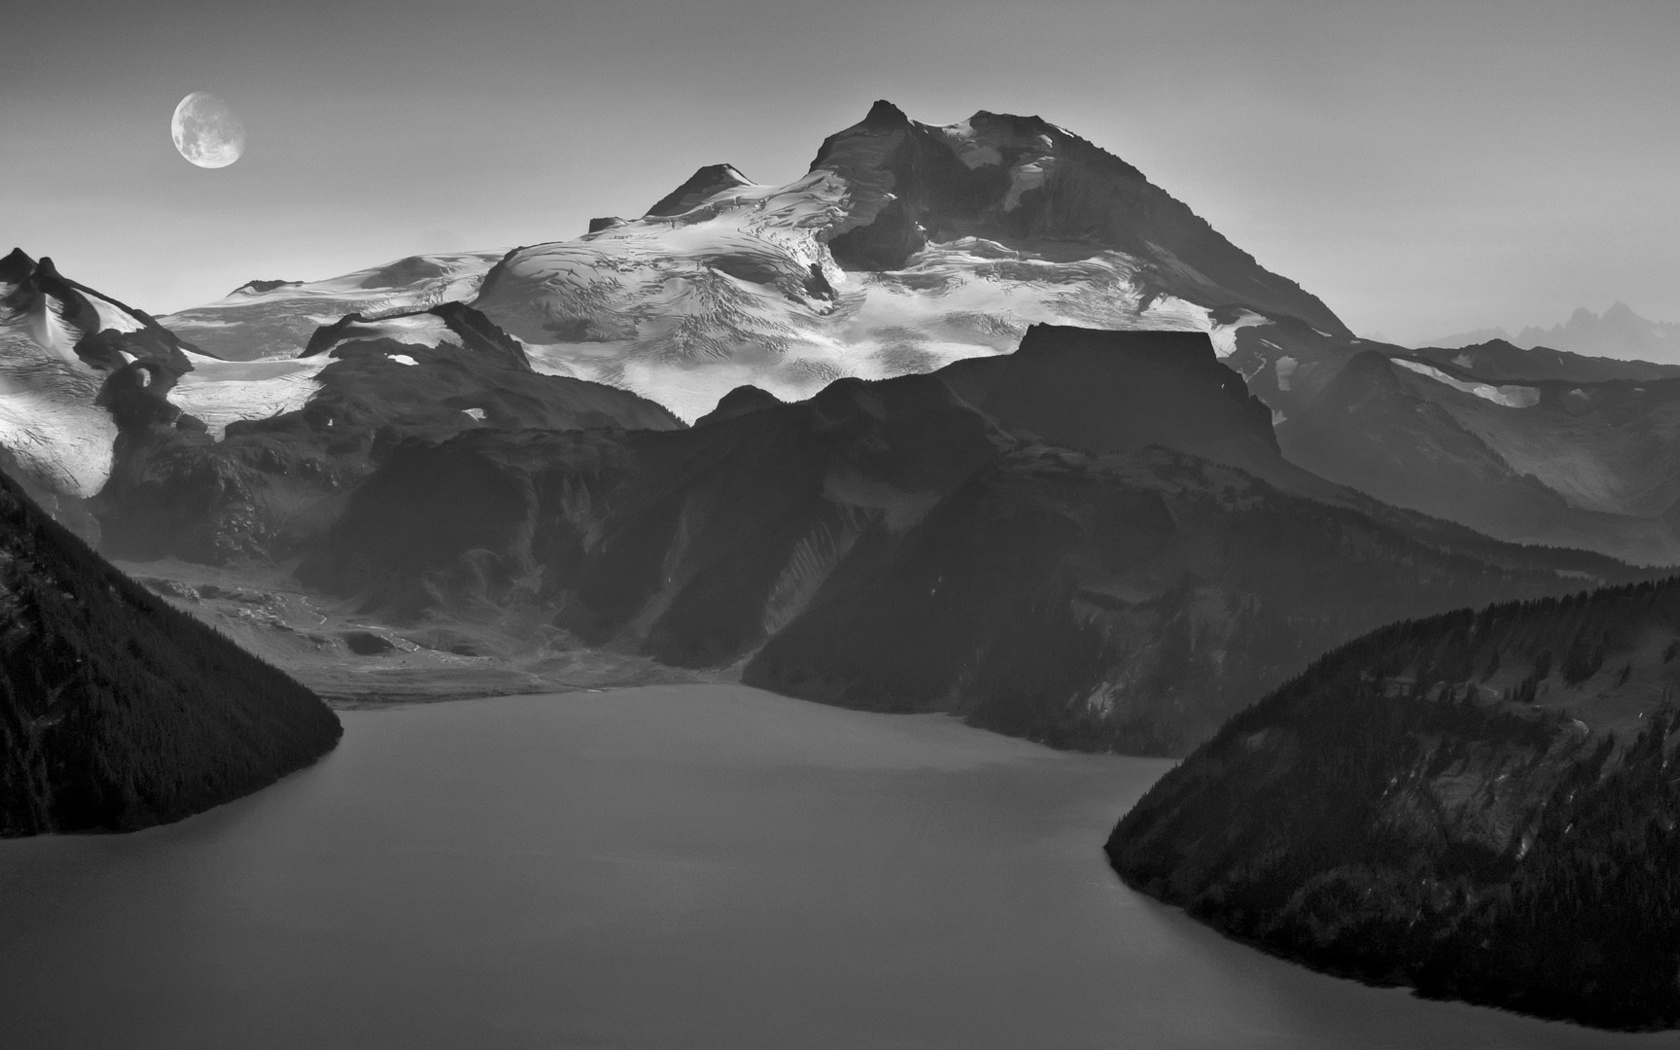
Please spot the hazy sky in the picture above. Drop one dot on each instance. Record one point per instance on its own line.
(1424, 167)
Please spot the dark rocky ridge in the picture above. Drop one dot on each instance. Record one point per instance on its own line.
(739, 402)
(1101, 392)
(257, 287)
(117, 712)
(917, 543)
(1482, 805)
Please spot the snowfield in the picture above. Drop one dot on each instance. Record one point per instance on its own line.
(276, 318)
(220, 392)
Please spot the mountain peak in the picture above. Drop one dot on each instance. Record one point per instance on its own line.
(258, 287)
(884, 114)
(16, 266)
(706, 182)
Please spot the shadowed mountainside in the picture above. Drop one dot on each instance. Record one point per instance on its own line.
(1525, 458)
(1051, 543)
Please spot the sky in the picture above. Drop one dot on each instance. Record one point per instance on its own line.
(1423, 167)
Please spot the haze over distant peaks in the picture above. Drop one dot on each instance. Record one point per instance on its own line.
(1618, 332)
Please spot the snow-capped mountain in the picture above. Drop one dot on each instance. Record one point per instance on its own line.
(905, 247)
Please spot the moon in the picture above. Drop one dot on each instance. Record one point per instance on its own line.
(206, 131)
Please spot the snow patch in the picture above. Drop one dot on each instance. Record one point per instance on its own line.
(402, 359)
(1285, 368)
(476, 413)
(1025, 176)
(1511, 396)
(1224, 336)
(220, 392)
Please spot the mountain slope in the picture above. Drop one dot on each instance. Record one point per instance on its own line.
(1479, 805)
(116, 712)
(934, 543)
(1562, 462)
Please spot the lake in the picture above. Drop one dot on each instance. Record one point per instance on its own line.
(679, 866)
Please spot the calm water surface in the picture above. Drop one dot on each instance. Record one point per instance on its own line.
(691, 866)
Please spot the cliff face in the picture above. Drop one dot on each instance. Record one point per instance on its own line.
(117, 712)
(1108, 391)
(1480, 805)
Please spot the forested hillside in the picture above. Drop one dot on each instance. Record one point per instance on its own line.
(116, 711)
(1482, 805)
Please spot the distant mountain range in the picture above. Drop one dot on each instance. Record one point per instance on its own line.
(1618, 332)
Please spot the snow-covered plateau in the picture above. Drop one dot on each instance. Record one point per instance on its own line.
(276, 318)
